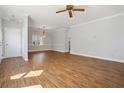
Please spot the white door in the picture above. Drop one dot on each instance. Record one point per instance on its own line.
(12, 39)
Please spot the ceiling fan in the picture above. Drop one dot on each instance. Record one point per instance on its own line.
(70, 8)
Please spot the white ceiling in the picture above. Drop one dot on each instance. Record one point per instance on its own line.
(46, 15)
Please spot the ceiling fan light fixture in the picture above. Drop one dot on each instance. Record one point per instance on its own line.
(70, 9)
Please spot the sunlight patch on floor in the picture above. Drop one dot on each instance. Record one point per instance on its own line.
(27, 75)
(34, 73)
(17, 76)
(34, 86)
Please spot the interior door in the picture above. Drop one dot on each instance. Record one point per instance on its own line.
(12, 39)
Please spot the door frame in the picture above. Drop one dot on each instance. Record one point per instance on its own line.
(1, 40)
(2, 43)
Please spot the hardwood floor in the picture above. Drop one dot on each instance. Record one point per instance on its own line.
(54, 69)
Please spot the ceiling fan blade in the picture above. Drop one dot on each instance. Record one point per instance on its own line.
(61, 11)
(78, 9)
(70, 13)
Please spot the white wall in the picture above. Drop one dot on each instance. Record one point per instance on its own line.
(25, 38)
(60, 40)
(0, 40)
(46, 41)
(101, 38)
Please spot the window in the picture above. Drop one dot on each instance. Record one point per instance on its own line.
(37, 40)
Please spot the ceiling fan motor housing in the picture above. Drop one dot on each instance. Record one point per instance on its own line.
(69, 7)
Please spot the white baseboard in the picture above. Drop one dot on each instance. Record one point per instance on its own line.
(39, 50)
(47, 50)
(26, 59)
(109, 59)
(1, 59)
(59, 50)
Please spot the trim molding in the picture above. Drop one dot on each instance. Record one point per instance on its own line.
(31, 45)
(38, 50)
(103, 58)
(47, 50)
(1, 59)
(59, 50)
